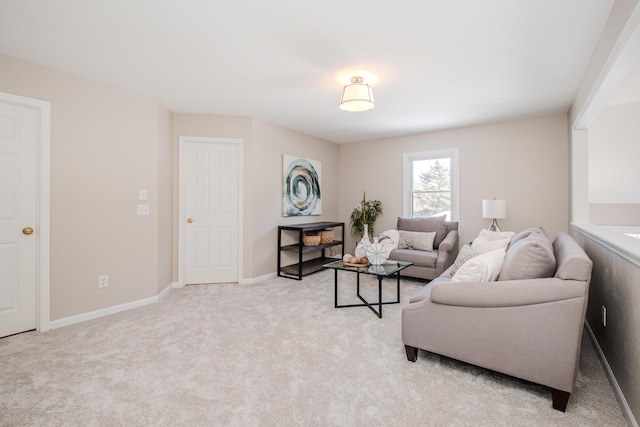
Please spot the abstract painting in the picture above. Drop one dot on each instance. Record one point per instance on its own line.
(301, 186)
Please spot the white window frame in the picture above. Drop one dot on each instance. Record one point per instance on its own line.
(409, 158)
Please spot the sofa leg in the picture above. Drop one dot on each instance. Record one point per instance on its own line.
(412, 353)
(560, 399)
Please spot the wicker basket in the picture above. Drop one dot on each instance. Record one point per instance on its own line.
(326, 236)
(311, 239)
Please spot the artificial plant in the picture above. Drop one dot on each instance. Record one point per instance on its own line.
(366, 212)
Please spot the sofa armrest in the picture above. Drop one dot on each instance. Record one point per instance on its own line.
(449, 242)
(507, 293)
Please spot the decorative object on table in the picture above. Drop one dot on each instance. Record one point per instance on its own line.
(357, 96)
(494, 209)
(353, 261)
(311, 239)
(362, 219)
(301, 193)
(326, 236)
(376, 253)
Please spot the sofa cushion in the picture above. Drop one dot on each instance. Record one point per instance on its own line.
(491, 240)
(418, 258)
(526, 233)
(465, 254)
(416, 240)
(481, 268)
(530, 257)
(432, 223)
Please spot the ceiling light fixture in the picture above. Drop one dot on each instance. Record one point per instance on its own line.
(357, 96)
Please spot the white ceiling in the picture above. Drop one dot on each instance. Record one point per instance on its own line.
(432, 64)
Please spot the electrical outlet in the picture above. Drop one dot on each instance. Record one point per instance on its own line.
(103, 281)
(604, 316)
(142, 210)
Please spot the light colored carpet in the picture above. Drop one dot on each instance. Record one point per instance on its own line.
(274, 354)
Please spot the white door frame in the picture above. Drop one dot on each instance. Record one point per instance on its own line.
(182, 216)
(43, 108)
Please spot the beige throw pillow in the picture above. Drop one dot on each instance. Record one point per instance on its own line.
(416, 240)
(465, 254)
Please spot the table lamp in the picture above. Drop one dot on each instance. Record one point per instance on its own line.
(494, 209)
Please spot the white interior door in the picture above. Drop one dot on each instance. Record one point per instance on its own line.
(18, 217)
(210, 216)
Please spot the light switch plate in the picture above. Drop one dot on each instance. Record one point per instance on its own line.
(142, 194)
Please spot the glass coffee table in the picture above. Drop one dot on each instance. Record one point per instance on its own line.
(387, 269)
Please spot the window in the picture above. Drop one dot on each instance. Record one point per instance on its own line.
(431, 184)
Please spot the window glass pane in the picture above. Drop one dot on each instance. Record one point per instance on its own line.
(430, 204)
(431, 175)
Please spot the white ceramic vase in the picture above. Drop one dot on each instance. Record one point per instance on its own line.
(363, 245)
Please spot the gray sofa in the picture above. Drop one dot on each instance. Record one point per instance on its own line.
(428, 264)
(529, 328)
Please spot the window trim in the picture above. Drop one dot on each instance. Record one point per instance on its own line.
(407, 162)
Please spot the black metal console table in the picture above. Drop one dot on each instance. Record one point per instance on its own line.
(303, 268)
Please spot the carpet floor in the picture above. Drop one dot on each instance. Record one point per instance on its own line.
(275, 353)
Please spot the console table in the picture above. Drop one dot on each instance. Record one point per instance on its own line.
(303, 268)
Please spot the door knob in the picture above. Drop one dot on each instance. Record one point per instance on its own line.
(189, 220)
(27, 230)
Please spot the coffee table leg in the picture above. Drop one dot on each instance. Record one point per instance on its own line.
(336, 288)
(380, 297)
(398, 299)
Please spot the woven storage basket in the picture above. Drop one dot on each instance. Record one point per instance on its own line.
(311, 239)
(326, 236)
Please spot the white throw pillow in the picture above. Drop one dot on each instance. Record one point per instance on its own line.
(482, 268)
(491, 240)
(416, 240)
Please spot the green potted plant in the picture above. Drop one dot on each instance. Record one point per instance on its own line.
(364, 216)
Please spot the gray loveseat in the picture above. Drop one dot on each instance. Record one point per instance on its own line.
(428, 264)
(529, 328)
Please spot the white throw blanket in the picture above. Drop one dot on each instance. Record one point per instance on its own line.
(389, 240)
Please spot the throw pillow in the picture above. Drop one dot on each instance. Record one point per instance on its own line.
(428, 224)
(491, 240)
(416, 240)
(465, 254)
(529, 258)
(481, 268)
(526, 233)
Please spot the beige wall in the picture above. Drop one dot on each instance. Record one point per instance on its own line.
(270, 143)
(524, 162)
(165, 198)
(104, 148)
(613, 155)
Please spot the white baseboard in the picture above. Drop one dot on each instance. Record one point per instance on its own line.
(612, 379)
(72, 320)
(255, 280)
(166, 290)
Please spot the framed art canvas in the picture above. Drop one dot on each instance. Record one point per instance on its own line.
(301, 193)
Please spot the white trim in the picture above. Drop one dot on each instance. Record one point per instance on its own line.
(623, 246)
(163, 294)
(612, 379)
(454, 155)
(43, 227)
(183, 140)
(257, 279)
(623, 57)
(72, 320)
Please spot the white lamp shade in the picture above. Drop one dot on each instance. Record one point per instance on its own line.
(492, 208)
(357, 97)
